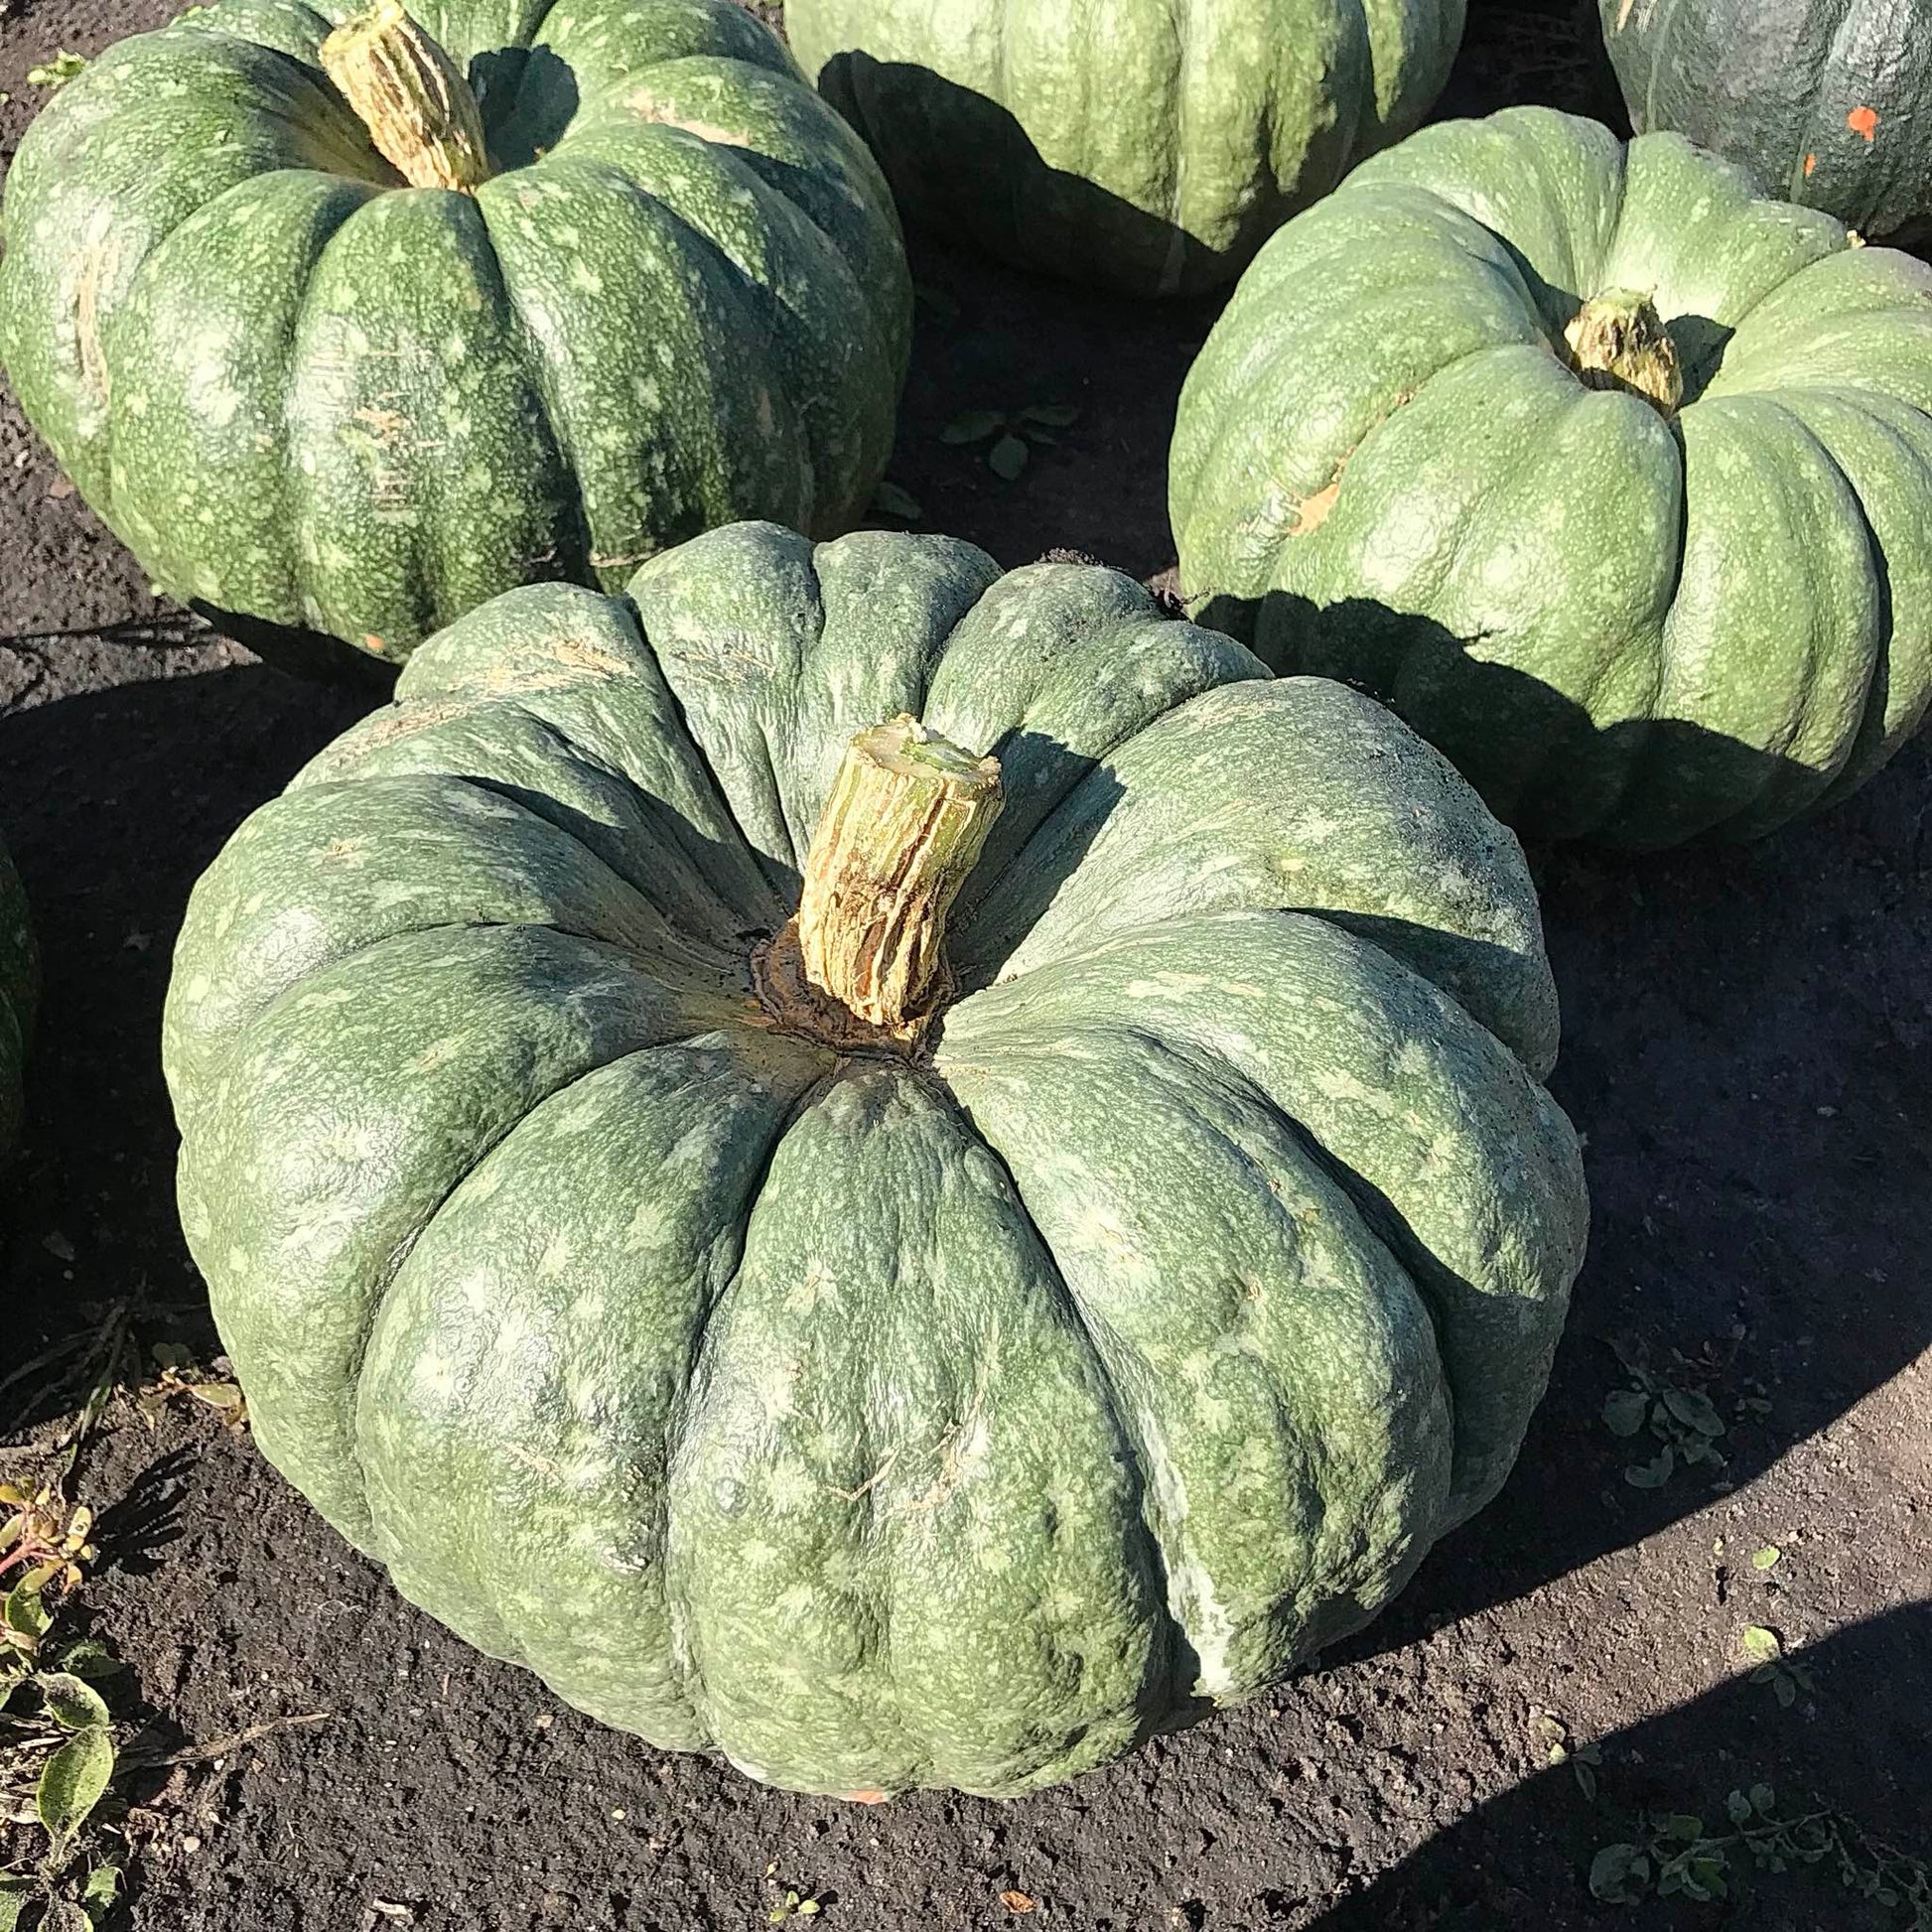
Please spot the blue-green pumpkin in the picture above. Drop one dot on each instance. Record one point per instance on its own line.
(1613, 479)
(346, 332)
(902, 1173)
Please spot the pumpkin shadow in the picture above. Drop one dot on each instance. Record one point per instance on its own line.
(1010, 201)
(1852, 1744)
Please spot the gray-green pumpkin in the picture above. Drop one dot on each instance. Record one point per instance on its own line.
(653, 284)
(1146, 146)
(19, 994)
(1614, 479)
(912, 1373)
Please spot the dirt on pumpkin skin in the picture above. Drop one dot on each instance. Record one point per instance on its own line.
(1748, 1050)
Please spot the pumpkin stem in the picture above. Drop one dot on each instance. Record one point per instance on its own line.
(1618, 342)
(408, 93)
(905, 823)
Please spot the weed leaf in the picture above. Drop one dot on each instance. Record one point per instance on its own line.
(1613, 1873)
(73, 1783)
(1007, 458)
(70, 1702)
(975, 426)
(1624, 1411)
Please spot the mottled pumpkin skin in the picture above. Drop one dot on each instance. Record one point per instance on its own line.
(1829, 106)
(1147, 146)
(19, 994)
(1619, 627)
(877, 1422)
(303, 393)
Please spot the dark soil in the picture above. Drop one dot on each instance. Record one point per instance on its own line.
(1749, 1050)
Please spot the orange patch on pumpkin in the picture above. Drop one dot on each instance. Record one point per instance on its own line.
(1864, 121)
(1313, 512)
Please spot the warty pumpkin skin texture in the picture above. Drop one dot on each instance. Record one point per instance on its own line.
(19, 995)
(1829, 106)
(945, 1407)
(1149, 147)
(1615, 480)
(304, 392)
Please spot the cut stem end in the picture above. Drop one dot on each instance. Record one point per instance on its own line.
(410, 96)
(1618, 342)
(905, 823)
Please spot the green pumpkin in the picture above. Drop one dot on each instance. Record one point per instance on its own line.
(1828, 105)
(19, 995)
(308, 395)
(883, 1391)
(1146, 146)
(1615, 480)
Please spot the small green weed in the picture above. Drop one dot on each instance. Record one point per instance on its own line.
(57, 71)
(1009, 436)
(1674, 1408)
(1672, 1855)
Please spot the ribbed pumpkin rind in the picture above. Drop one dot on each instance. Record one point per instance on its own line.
(880, 1425)
(304, 394)
(1149, 147)
(1830, 107)
(1617, 628)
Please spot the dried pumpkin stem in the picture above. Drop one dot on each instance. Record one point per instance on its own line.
(1618, 342)
(409, 94)
(905, 823)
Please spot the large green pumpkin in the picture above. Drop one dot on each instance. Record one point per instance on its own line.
(1147, 146)
(944, 1405)
(1615, 481)
(308, 394)
(1830, 106)
(19, 990)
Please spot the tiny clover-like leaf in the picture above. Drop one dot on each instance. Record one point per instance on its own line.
(70, 1702)
(72, 1781)
(974, 426)
(1007, 458)
(1619, 1873)
(1765, 1555)
(1763, 1799)
(1625, 1411)
(1738, 1808)
(1680, 1826)
(1654, 1473)
(1762, 1644)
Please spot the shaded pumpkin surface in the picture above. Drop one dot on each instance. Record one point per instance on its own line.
(303, 393)
(881, 1422)
(1829, 106)
(19, 988)
(1148, 146)
(1621, 623)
